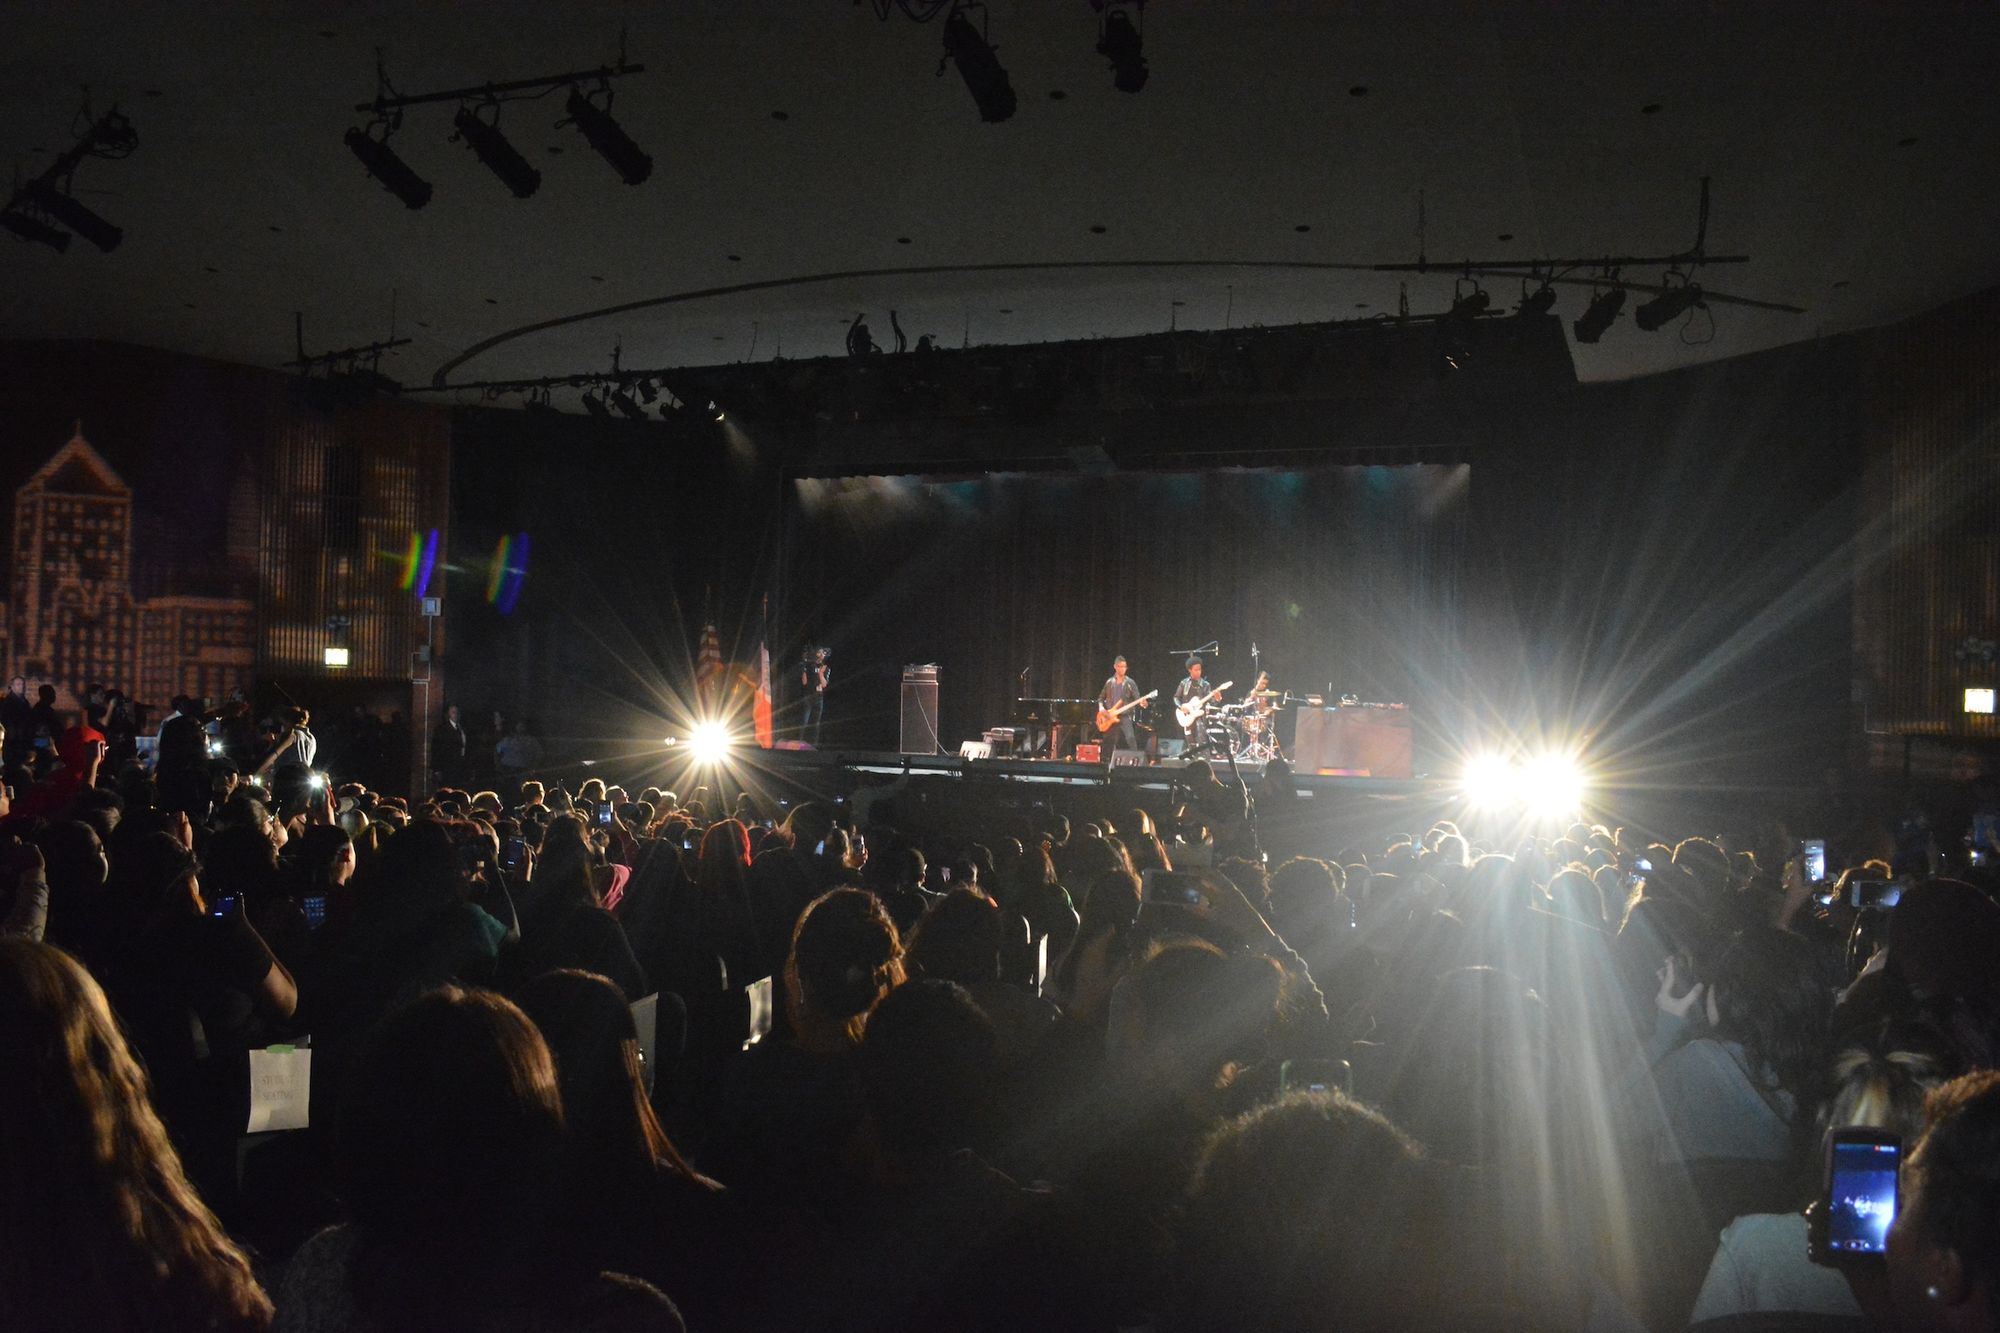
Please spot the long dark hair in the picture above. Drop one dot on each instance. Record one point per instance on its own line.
(99, 1227)
(448, 1152)
(614, 1138)
(1770, 997)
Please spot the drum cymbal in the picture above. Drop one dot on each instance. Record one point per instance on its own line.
(1268, 694)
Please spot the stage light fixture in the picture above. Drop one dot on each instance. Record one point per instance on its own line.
(1120, 42)
(1604, 307)
(1672, 302)
(501, 158)
(34, 229)
(710, 742)
(392, 171)
(649, 392)
(66, 210)
(595, 406)
(977, 64)
(1539, 302)
(335, 656)
(1979, 700)
(538, 405)
(611, 142)
(1470, 305)
(625, 403)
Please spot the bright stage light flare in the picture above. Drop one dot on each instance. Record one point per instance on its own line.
(1552, 784)
(709, 741)
(1490, 782)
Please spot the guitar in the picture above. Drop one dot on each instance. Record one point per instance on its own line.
(1107, 718)
(1186, 713)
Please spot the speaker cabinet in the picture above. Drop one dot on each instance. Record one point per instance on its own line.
(920, 710)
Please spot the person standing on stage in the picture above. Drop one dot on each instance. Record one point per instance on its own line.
(814, 675)
(1121, 689)
(1192, 687)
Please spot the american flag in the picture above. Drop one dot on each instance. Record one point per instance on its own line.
(708, 670)
(761, 707)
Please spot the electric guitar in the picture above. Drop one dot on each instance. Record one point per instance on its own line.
(1107, 718)
(1186, 713)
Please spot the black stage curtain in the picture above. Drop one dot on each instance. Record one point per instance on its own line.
(1346, 578)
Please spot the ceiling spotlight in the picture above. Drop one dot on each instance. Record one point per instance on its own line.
(1604, 308)
(392, 171)
(538, 404)
(1120, 42)
(625, 403)
(1668, 306)
(979, 67)
(595, 406)
(66, 210)
(1469, 305)
(501, 158)
(1539, 302)
(34, 229)
(611, 142)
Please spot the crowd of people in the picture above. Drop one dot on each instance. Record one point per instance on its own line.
(1017, 1070)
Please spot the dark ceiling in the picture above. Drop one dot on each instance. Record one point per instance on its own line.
(1852, 150)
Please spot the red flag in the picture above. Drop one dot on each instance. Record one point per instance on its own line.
(708, 671)
(761, 710)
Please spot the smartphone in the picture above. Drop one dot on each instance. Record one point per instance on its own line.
(513, 852)
(1878, 895)
(1812, 857)
(316, 781)
(1860, 1198)
(1316, 1076)
(314, 905)
(821, 851)
(224, 906)
(1170, 886)
(604, 815)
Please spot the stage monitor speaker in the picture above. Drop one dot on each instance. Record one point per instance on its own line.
(1128, 758)
(1171, 749)
(920, 711)
(975, 749)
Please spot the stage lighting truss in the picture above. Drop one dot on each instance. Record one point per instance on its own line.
(346, 374)
(40, 209)
(476, 124)
(1675, 295)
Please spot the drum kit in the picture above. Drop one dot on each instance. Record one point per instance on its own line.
(1249, 729)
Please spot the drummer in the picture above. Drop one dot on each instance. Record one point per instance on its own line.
(1259, 707)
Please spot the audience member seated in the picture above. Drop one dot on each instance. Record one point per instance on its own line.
(449, 1152)
(99, 1227)
(791, 1103)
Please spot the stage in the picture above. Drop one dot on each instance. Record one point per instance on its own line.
(814, 768)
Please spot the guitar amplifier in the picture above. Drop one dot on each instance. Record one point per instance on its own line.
(920, 710)
(1090, 752)
(1128, 758)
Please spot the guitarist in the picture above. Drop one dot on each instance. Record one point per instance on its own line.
(1192, 688)
(1121, 689)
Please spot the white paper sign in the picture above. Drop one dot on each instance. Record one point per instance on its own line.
(646, 1019)
(280, 1088)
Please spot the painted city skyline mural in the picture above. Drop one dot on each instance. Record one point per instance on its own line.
(180, 526)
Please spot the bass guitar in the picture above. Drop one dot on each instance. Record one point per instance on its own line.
(1107, 718)
(1186, 713)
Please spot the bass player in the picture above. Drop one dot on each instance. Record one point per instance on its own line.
(1119, 692)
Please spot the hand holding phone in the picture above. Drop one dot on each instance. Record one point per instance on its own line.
(1172, 888)
(1857, 1203)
